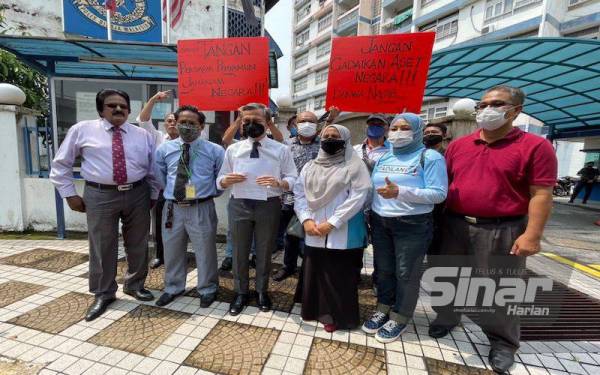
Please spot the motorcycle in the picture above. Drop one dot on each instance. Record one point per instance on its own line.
(563, 186)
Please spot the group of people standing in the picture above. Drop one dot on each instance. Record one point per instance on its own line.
(486, 197)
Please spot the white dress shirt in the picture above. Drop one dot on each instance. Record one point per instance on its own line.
(92, 140)
(277, 155)
(159, 137)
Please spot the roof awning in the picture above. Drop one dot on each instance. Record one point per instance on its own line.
(559, 75)
(101, 59)
(403, 16)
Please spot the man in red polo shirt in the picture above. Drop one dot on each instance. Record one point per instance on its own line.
(500, 183)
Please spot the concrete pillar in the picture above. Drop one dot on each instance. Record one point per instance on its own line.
(284, 113)
(11, 171)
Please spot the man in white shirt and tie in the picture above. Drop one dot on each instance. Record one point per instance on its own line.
(116, 164)
(259, 170)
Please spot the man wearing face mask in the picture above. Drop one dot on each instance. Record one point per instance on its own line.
(188, 167)
(305, 147)
(433, 136)
(255, 205)
(375, 145)
(499, 199)
(145, 122)
(117, 159)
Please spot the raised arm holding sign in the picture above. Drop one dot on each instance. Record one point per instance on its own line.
(223, 74)
(383, 73)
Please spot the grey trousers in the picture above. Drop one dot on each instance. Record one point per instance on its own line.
(247, 219)
(104, 208)
(485, 248)
(199, 224)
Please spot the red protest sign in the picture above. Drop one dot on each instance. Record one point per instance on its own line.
(223, 74)
(383, 73)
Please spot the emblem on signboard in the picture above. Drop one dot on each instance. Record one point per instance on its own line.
(130, 16)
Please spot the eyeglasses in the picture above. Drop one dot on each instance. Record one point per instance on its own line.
(113, 106)
(494, 104)
(186, 123)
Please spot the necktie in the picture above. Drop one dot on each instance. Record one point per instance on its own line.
(118, 157)
(182, 173)
(254, 152)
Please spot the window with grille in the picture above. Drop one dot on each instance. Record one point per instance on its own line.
(323, 49)
(301, 106)
(575, 2)
(301, 38)
(303, 12)
(591, 33)
(444, 27)
(325, 22)
(321, 76)
(319, 101)
(300, 84)
(237, 26)
(301, 61)
(429, 113)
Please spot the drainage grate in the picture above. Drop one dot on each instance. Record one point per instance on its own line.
(573, 316)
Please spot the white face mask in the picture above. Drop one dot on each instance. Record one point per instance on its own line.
(399, 138)
(491, 118)
(307, 129)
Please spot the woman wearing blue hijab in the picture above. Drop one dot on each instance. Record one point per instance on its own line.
(409, 180)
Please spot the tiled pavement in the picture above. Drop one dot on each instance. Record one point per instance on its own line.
(43, 298)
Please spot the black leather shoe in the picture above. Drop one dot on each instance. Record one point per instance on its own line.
(252, 262)
(501, 360)
(264, 302)
(156, 262)
(140, 294)
(282, 274)
(207, 300)
(437, 331)
(226, 265)
(98, 308)
(238, 304)
(166, 298)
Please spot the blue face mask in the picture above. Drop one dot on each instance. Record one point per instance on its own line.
(293, 132)
(375, 131)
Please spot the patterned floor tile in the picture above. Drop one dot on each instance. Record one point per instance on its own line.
(13, 291)
(336, 357)
(56, 315)
(437, 367)
(156, 276)
(46, 259)
(234, 348)
(141, 330)
(282, 293)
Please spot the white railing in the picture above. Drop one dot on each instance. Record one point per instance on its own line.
(348, 17)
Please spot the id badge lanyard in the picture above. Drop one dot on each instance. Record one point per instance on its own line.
(190, 188)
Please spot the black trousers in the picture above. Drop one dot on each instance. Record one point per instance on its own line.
(486, 249)
(292, 244)
(158, 243)
(580, 186)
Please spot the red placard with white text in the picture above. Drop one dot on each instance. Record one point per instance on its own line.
(383, 73)
(223, 74)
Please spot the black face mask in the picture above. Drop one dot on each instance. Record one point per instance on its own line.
(254, 129)
(332, 146)
(432, 139)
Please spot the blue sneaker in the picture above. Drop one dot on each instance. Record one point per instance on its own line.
(390, 331)
(376, 321)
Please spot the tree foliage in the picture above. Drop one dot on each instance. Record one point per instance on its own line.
(15, 72)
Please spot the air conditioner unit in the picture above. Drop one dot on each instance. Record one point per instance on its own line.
(488, 29)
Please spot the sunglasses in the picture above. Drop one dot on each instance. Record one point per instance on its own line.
(113, 106)
(494, 104)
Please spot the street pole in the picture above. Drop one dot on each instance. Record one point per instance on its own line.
(108, 24)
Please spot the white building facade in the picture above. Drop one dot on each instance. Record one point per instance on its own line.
(456, 23)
